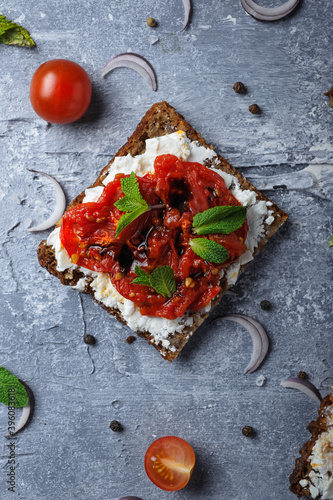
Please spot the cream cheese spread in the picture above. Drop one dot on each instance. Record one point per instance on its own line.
(179, 145)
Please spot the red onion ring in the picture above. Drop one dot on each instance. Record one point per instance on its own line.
(27, 411)
(269, 13)
(130, 498)
(136, 62)
(188, 8)
(259, 339)
(303, 386)
(59, 208)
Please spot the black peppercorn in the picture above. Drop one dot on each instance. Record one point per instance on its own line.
(130, 339)
(239, 88)
(248, 431)
(89, 339)
(116, 426)
(151, 22)
(266, 305)
(302, 375)
(254, 109)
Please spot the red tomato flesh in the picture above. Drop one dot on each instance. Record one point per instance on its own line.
(169, 462)
(159, 237)
(60, 91)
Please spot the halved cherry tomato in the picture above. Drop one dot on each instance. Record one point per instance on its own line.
(60, 91)
(169, 463)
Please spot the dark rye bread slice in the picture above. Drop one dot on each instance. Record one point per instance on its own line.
(161, 119)
(303, 467)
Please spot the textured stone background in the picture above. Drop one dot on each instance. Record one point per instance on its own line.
(68, 452)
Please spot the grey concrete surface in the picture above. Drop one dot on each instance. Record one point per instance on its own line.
(68, 451)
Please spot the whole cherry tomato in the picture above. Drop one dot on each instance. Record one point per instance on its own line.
(169, 463)
(60, 91)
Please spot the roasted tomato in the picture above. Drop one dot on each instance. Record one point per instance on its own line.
(169, 463)
(60, 91)
(159, 237)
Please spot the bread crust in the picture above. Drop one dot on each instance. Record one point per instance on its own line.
(302, 465)
(161, 119)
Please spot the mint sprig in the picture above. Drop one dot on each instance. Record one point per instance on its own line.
(14, 34)
(143, 278)
(128, 218)
(10, 386)
(162, 280)
(221, 219)
(330, 243)
(132, 203)
(209, 250)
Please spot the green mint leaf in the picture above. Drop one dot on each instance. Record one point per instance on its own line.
(132, 202)
(226, 226)
(330, 243)
(133, 198)
(222, 219)
(14, 34)
(127, 204)
(214, 214)
(130, 217)
(143, 278)
(163, 281)
(9, 386)
(209, 250)
(130, 187)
